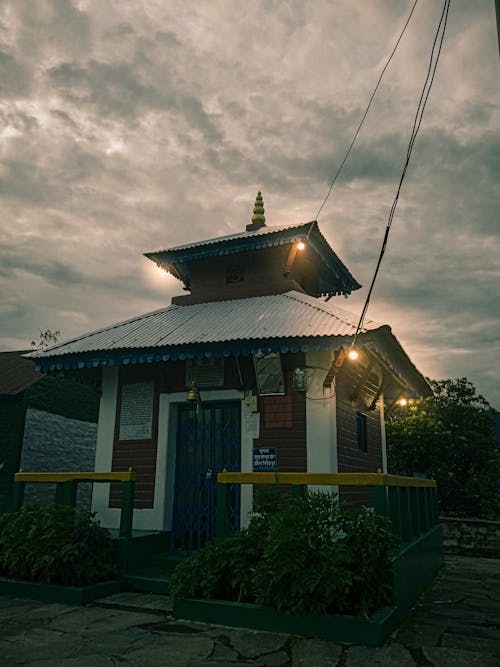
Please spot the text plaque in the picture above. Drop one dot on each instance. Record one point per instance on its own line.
(136, 413)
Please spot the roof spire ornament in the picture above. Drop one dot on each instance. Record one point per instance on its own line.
(258, 217)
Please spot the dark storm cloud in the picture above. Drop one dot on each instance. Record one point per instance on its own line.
(32, 28)
(116, 90)
(127, 127)
(15, 77)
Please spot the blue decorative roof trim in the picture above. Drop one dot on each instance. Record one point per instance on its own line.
(129, 357)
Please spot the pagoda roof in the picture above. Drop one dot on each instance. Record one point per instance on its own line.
(289, 322)
(335, 279)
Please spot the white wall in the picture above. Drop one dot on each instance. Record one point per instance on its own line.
(382, 433)
(160, 516)
(321, 426)
(110, 518)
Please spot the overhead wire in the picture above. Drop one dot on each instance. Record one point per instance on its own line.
(334, 180)
(424, 96)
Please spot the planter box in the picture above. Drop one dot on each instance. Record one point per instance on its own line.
(56, 593)
(414, 568)
(346, 629)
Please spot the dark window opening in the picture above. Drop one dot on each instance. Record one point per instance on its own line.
(235, 274)
(361, 426)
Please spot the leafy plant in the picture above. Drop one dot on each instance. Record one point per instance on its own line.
(224, 568)
(305, 556)
(55, 544)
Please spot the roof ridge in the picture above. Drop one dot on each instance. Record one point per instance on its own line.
(323, 307)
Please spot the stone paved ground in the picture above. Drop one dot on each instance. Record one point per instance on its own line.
(456, 624)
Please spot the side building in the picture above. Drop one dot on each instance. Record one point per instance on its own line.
(46, 423)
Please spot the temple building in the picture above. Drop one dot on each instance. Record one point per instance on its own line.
(247, 370)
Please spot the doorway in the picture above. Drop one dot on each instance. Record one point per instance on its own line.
(208, 441)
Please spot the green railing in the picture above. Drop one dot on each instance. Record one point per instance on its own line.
(67, 487)
(410, 503)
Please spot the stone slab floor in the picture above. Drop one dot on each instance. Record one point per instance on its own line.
(456, 624)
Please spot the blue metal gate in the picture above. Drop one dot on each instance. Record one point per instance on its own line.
(208, 442)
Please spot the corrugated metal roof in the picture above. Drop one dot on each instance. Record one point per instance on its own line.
(263, 231)
(290, 315)
(283, 323)
(16, 373)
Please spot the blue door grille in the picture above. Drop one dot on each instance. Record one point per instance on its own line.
(208, 441)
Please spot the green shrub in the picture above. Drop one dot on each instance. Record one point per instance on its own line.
(55, 544)
(223, 569)
(306, 556)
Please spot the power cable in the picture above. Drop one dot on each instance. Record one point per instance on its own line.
(424, 96)
(366, 111)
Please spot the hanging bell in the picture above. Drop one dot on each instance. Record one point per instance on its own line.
(193, 394)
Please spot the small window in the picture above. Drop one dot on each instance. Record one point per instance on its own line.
(361, 425)
(205, 372)
(235, 274)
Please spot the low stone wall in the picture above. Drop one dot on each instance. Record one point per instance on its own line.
(471, 537)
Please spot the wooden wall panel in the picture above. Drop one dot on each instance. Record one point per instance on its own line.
(350, 458)
(283, 421)
(137, 454)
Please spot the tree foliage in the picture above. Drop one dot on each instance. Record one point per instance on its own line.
(449, 436)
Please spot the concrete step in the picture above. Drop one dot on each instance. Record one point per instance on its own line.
(148, 580)
(156, 577)
(168, 560)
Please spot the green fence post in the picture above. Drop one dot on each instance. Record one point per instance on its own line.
(406, 524)
(424, 512)
(380, 501)
(414, 511)
(429, 505)
(435, 505)
(17, 495)
(298, 490)
(69, 490)
(59, 499)
(222, 511)
(395, 508)
(127, 510)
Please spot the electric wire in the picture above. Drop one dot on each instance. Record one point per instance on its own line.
(366, 111)
(424, 96)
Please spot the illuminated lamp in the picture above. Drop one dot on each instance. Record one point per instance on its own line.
(353, 355)
(301, 245)
(403, 402)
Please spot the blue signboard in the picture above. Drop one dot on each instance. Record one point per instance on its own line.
(265, 459)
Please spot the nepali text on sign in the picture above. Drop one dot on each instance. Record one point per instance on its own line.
(265, 459)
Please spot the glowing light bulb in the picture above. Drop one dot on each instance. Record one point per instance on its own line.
(301, 245)
(353, 355)
(402, 402)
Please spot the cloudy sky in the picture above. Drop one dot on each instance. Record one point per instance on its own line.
(128, 126)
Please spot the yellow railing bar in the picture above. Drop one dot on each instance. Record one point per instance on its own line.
(318, 478)
(57, 477)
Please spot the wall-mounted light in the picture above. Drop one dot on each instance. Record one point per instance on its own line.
(294, 248)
